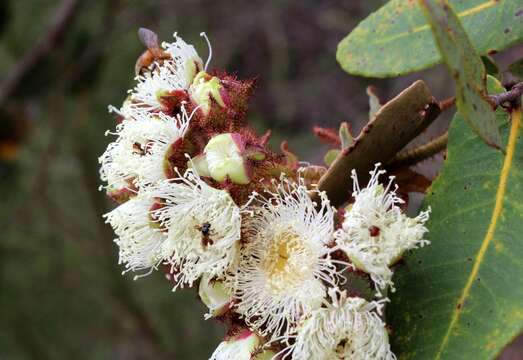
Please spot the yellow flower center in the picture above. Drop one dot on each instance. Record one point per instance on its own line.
(288, 260)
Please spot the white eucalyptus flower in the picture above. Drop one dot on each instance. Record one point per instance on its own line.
(246, 345)
(203, 226)
(185, 57)
(170, 75)
(139, 236)
(375, 232)
(349, 328)
(285, 263)
(139, 153)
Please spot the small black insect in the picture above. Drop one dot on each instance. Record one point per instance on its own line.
(206, 229)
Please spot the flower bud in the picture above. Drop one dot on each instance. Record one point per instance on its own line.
(192, 67)
(265, 355)
(204, 89)
(200, 165)
(214, 295)
(246, 345)
(224, 156)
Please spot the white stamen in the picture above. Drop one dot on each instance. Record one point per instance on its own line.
(204, 35)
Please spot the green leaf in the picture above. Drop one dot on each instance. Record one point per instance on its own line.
(491, 67)
(460, 297)
(466, 67)
(396, 39)
(517, 68)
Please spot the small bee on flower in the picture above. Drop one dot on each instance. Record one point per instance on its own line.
(171, 75)
(375, 232)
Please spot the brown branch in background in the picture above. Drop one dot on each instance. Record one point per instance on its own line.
(98, 46)
(62, 16)
(447, 103)
(512, 97)
(396, 123)
(423, 152)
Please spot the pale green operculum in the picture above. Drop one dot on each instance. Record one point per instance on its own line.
(243, 346)
(224, 155)
(200, 165)
(192, 67)
(203, 89)
(265, 355)
(214, 295)
(255, 155)
(380, 190)
(358, 264)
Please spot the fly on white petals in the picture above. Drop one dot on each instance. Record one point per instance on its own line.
(203, 228)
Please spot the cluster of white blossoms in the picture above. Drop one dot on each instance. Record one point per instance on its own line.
(205, 200)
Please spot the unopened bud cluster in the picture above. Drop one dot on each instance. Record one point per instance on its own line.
(203, 198)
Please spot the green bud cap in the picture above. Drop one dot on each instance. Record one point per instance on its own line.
(224, 155)
(214, 295)
(203, 89)
(200, 165)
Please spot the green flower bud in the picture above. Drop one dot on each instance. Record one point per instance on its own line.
(265, 355)
(224, 155)
(200, 165)
(203, 89)
(246, 345)
(192, 67)
(214, 295)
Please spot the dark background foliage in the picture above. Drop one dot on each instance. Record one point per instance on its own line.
(61, 291)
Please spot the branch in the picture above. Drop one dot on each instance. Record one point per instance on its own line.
(513, 96)
(447, 103)
(414, 156)
(62, 17)
(394, 126)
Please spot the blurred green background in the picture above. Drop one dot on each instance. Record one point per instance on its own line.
(62, 294)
